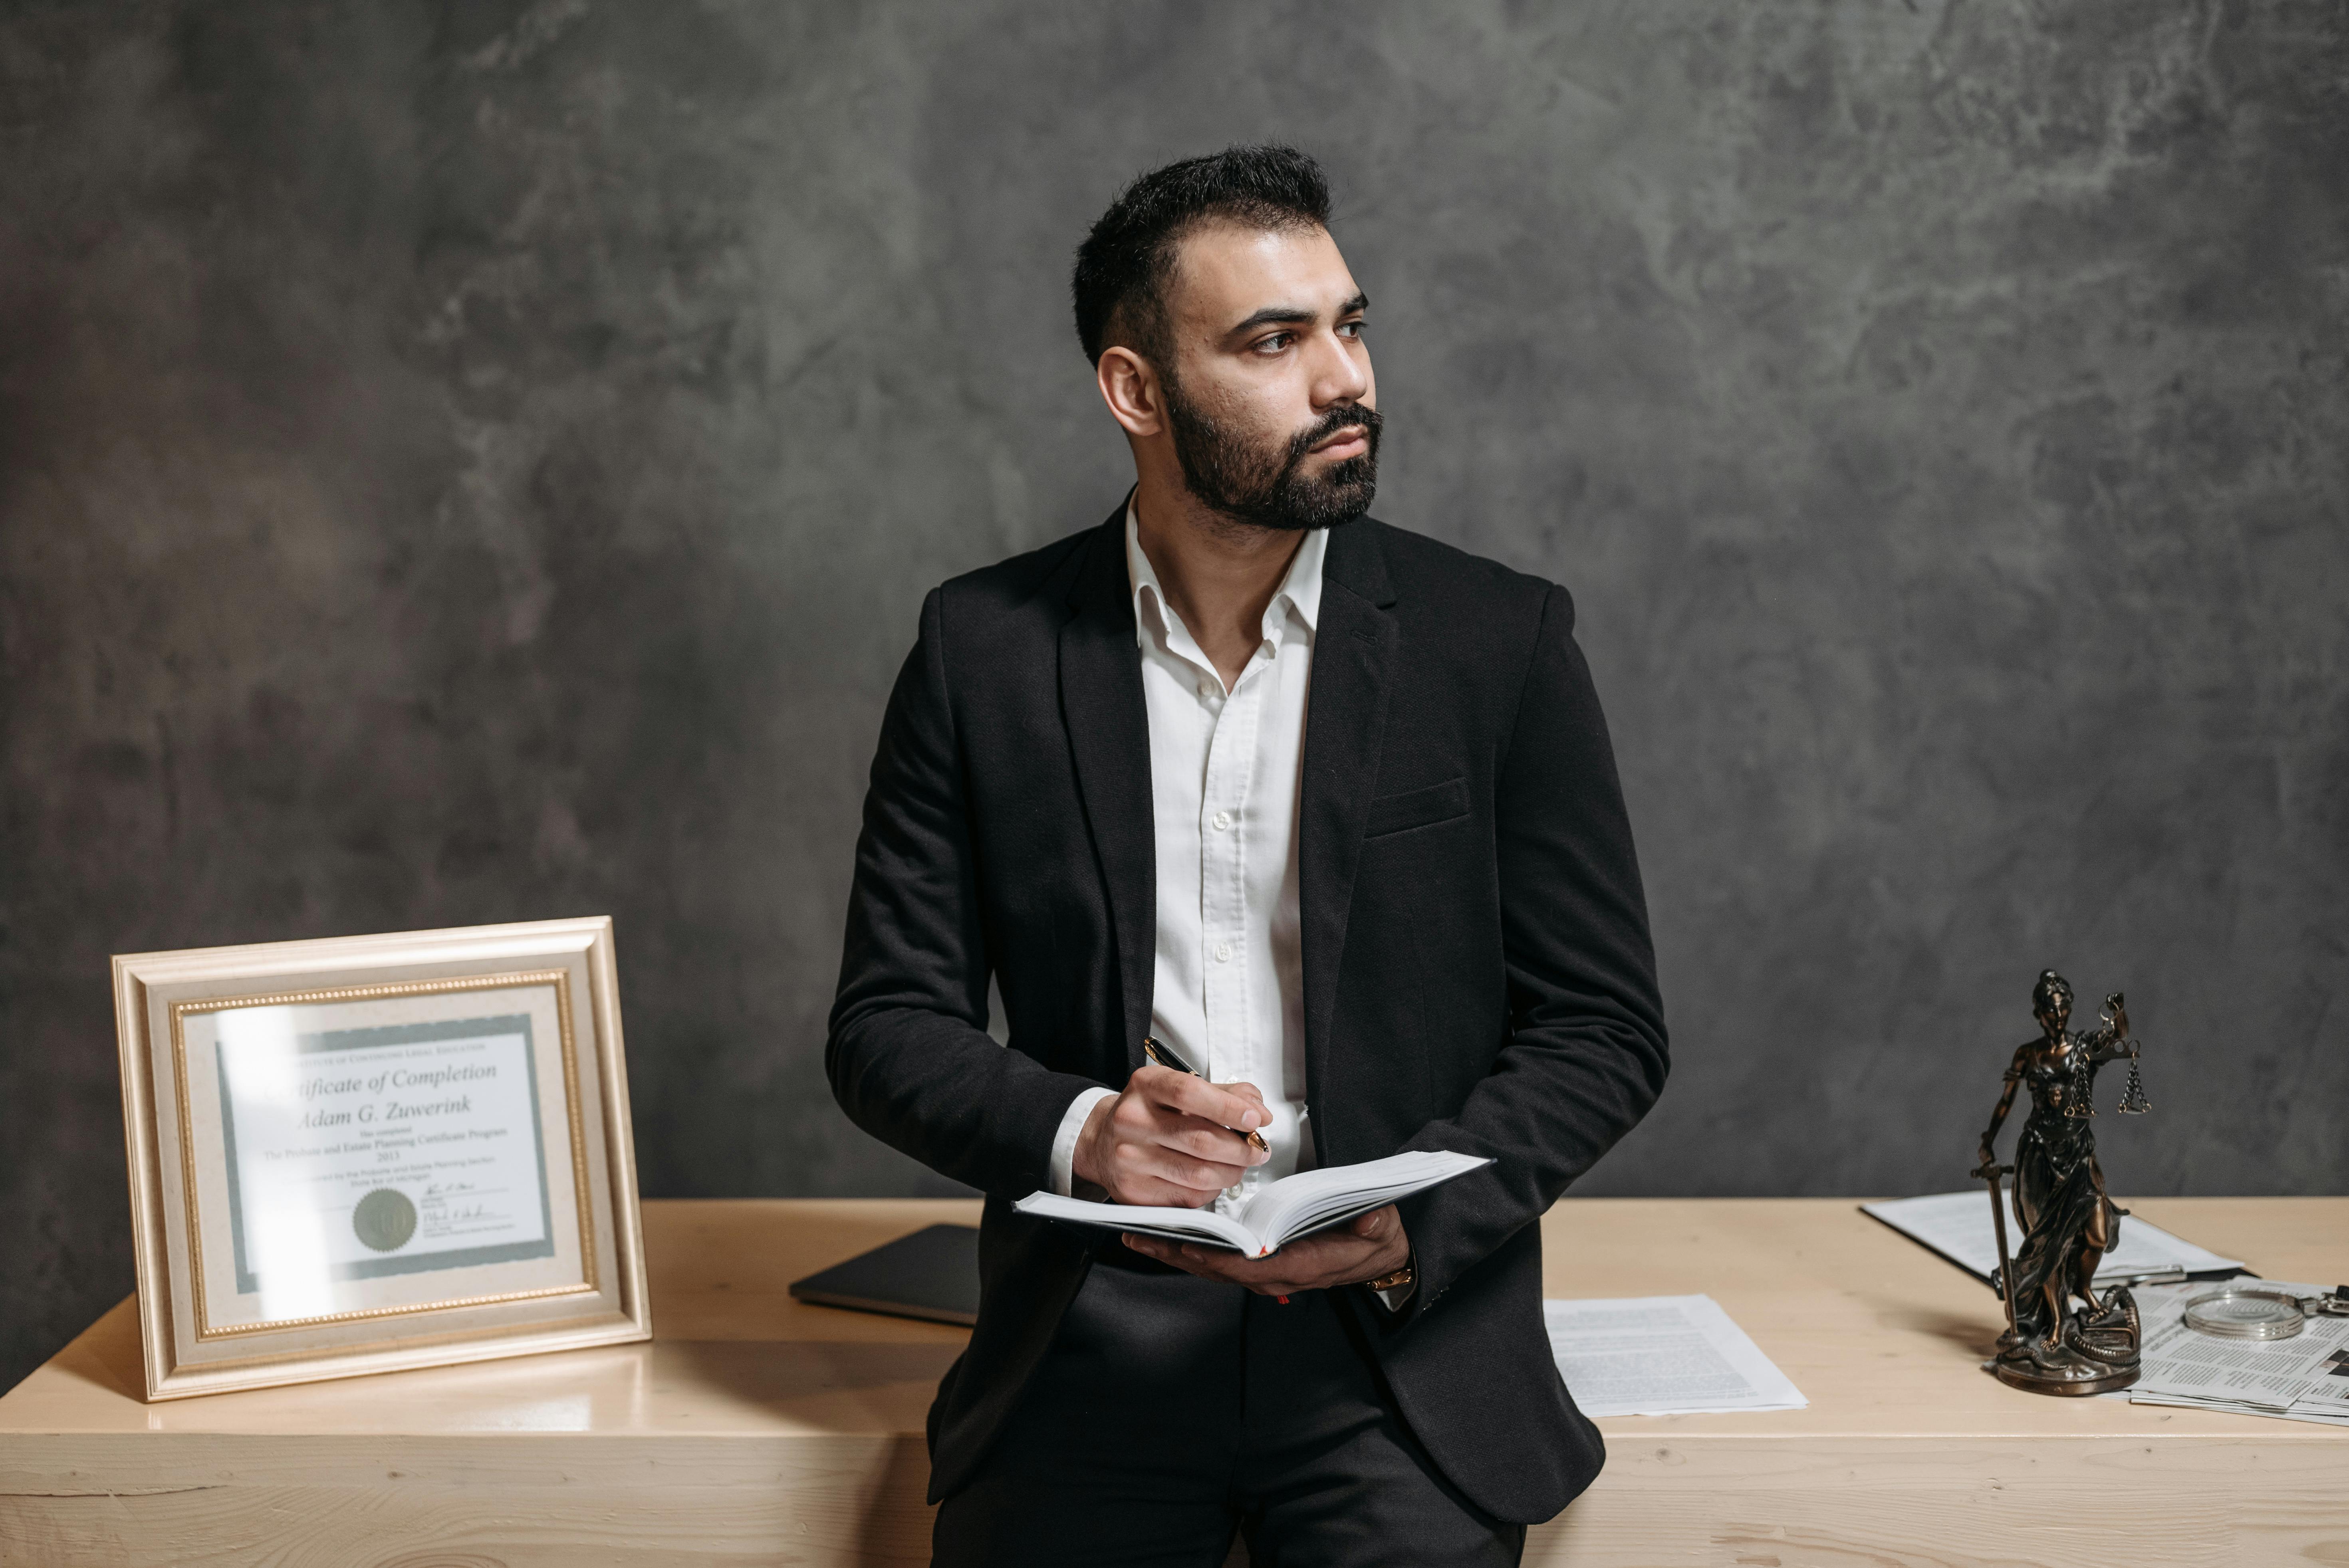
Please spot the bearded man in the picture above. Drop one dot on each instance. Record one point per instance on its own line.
(1328, 807)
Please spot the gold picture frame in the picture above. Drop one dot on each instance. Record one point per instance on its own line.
(369, 1153)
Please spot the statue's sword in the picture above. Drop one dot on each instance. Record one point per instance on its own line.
(1998, 1221)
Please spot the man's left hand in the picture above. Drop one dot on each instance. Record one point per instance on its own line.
(1371, 1247)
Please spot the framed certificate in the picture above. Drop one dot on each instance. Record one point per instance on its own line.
(366, 1154)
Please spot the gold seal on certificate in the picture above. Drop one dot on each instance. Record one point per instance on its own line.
(369, 1153)
(384, 1219)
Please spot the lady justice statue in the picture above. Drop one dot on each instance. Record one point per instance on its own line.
(2061, 1337)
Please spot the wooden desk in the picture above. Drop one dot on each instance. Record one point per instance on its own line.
(756, 1430)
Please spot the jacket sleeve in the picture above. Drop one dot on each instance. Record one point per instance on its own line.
(1586, 1055)
(908, 1055)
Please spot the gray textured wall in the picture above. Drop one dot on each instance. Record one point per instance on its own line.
(475, 462)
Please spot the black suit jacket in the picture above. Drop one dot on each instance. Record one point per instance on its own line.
(1477, 970)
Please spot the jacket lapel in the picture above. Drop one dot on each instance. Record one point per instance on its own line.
(1345, 719)
(1109, 736)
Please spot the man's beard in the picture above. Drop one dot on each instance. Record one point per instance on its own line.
(1268, 486)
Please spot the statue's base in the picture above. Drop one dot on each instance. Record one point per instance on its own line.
(2033, 1378)
(2098, 1355)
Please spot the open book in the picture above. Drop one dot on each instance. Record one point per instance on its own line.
(1277, 1214)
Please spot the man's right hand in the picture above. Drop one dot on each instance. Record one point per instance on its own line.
(1167, 1139)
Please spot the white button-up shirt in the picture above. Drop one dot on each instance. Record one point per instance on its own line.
(1227, 989)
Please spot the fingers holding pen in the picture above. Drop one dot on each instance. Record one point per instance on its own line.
(1161, 1141)
(1239, 1106)
(1250, 1093)
(1184, 1124)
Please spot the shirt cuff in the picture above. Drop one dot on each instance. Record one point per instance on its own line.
(1064, 1142)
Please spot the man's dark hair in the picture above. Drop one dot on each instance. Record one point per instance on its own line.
(1124, 264)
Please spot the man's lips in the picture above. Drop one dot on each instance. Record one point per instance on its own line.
(1350, 442)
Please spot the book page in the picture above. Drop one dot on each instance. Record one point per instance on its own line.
(1203, 1225)
(1312, 1199)
(1281, 1212)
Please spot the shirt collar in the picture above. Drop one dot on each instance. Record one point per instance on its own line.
(1300, 589)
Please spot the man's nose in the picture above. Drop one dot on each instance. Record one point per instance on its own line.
(1337, 376)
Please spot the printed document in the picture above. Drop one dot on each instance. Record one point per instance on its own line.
(1958, 1226)
(2302, 1379)
(1661, 1356)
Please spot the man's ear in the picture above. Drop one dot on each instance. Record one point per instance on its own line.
(1130, 386)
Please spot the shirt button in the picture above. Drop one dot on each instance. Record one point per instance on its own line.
(1206, 688)
(1223, 820)
(1223, 952)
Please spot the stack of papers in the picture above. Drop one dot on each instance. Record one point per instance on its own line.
(2303, 1379)
(1957, 1226)
(1662, 1356)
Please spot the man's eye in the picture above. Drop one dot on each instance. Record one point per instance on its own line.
(1354, 328)
(1275, 342)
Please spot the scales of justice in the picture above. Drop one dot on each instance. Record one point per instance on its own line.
(2062, 1336)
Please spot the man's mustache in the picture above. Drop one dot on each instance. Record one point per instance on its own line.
(1334, 419)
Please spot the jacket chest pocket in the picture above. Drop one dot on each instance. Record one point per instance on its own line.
(1423, 808)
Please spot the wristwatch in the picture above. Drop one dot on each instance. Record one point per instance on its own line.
(1395, 1280)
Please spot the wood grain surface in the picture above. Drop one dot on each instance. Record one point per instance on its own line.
(757, 1430)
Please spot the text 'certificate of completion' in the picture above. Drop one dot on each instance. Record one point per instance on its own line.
(357, 1153)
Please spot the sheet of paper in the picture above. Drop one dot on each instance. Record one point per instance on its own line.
(1958, 1226)
(2295, 1414)
(363, 1153)
(2260, 1376)
(2326, 1398)
(1661, 1356)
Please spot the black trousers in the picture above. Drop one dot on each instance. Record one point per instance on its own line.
(1172, 1410)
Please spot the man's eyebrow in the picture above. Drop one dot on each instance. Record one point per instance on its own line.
(1270, 313)
(1292, 314)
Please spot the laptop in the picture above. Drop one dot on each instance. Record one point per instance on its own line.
(932, 1274)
